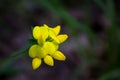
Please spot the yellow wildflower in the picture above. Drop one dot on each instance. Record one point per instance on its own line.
(48, 40)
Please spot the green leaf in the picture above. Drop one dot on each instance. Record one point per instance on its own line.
(32, 41)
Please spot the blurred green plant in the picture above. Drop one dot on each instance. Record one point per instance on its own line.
(112, 38)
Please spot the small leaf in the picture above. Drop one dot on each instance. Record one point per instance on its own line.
(32, 41)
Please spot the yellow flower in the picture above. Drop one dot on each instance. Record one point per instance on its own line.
(48, 40)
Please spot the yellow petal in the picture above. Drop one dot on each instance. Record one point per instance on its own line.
(59, 56)
(37, 51)
(56, 30)
(41, 53)
(53, 36)
(40, 41)
(36, 62)
(62, 38)
(33, 51)
(36, 32)
(44, 33)
(50, 48)
(45, 25)
(40, 31)
(49, 60)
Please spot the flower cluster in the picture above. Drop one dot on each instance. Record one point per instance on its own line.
(46, 49)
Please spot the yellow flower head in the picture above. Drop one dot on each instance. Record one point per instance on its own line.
(48, 40)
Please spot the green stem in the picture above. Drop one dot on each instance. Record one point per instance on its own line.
(7, 61)
(14, 56)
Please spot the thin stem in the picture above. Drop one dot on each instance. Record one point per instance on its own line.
(7, 61)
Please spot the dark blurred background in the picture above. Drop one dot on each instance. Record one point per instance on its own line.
(92, 49)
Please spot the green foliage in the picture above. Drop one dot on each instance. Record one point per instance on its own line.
(32, 41)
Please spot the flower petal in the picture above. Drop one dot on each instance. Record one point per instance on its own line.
(40, 31)
(49, 60)
(59, 56)
(62, 38)
(56, 30)
(53, 36)
(37, 51)
(41, 53)
(36, 32)
(50, 48)
(40, 41)
(33, 51)
(45, 25)
(44, 33)
(36, 62)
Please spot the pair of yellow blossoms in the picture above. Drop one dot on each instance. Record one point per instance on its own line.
(48, 40)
